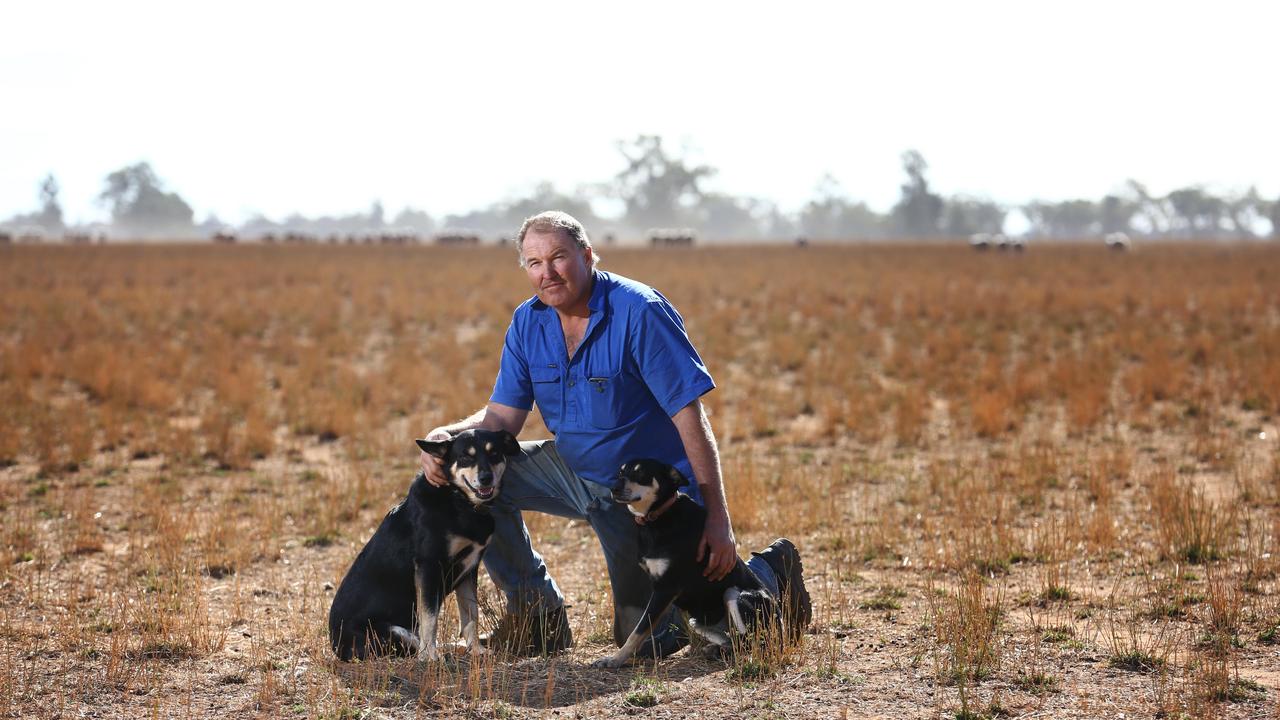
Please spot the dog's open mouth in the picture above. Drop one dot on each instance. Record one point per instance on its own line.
(484, 493)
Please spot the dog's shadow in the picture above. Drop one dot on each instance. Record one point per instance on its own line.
(550, 682)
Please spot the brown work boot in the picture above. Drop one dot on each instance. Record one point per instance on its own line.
(530, 630)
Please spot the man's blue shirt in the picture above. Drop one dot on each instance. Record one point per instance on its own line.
(613, 401)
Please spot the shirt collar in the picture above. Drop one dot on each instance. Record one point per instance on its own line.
(596, 302)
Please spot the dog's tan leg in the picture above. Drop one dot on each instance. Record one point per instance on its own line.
(659, 603)
(469, 613)
(426, 621)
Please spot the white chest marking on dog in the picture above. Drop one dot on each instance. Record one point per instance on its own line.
(657, 567)
(467, 551)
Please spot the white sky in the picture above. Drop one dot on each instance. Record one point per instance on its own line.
(321, 108)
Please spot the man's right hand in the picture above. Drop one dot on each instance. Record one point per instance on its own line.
(431, 466)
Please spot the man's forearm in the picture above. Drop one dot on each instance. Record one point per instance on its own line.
(706, 468)
(470, 422)
(493, 416)
(700, 445)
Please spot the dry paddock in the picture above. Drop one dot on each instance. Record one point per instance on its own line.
(1033, 485)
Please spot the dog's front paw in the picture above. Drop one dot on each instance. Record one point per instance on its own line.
(478, 649)
(609, 662)
(428, 654)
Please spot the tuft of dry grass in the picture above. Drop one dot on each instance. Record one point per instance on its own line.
(1191, 527)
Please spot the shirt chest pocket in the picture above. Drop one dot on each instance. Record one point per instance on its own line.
(547, 393)
(612, 400)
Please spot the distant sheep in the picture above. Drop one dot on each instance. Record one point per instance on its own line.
(671, 237)
(980, 241)
(398, 236)
(457, 237)
(1014, 244)
(224, 237)
(1118, 241)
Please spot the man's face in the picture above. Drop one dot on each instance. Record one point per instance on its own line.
(558, 269)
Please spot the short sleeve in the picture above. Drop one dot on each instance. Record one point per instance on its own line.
(667, 361)
(513, 386)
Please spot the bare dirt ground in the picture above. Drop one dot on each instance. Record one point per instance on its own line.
(1062, 561)
(260, 648)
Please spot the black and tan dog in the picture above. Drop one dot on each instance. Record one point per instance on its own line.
(671, 526)
(426, 547)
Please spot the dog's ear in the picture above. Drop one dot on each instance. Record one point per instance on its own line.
(510, 446)
(679, 478)
(439, 448)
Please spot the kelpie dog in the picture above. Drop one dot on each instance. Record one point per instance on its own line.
(426, 547)
(671, 526)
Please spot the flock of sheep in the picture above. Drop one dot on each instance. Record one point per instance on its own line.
(667, 237)
(983, 241)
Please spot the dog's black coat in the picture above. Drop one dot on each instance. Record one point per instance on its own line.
(669, 542)
(375, 604)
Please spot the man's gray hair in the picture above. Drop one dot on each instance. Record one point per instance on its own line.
(555, 221)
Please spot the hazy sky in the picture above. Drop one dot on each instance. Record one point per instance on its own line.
(321, 108)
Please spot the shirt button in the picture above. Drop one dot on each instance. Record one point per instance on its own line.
(570, 383)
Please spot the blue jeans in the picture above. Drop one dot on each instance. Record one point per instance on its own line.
(539, 480)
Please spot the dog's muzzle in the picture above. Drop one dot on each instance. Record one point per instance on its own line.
(619, 491)
(485, 489)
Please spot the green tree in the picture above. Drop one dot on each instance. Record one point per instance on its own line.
(1152, 211)
(657, 188)
(830, 215)
(732, 218)
(1116, 214)
(1196, 212)
(50, 215)
(919, 211)
(141, 208)
(966, 216)
(1244, 211)
(1067, 219)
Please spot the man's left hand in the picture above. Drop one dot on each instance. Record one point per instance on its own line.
(718, 546)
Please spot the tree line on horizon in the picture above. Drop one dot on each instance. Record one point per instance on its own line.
(657, 188)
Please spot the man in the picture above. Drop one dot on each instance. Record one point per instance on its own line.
(609, 364)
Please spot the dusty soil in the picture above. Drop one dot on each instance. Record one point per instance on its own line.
(261, 648)
(1042, 486)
